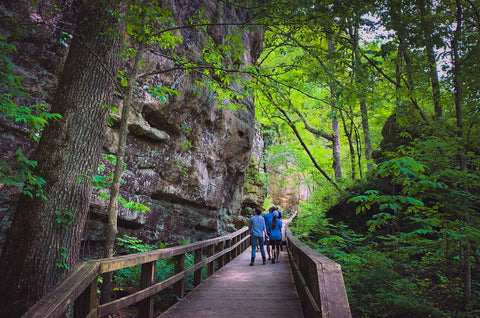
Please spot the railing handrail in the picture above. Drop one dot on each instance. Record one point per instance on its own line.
(79, 287)
(318, 280)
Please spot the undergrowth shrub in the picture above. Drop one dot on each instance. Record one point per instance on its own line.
(129, 278)
(408, 248)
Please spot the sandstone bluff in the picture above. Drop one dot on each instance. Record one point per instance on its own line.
(186, 158)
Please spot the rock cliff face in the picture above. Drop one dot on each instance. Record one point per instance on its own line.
(255, 190)
(186, 158)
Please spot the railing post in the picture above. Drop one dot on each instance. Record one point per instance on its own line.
(234, 251)
(228, 256)
(86, 301)
(147, 279)
(244, 247)
(241, 247)
(179, 287)
(197, 276)
(211, 265)
(221, 259)
(237, 249)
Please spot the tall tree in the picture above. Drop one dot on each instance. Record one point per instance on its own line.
(44, 239)
(428, 38)
(457, 84)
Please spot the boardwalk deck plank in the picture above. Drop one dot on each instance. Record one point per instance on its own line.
(240, 290)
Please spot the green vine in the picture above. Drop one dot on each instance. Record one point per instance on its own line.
(61, 261)
(64, 219)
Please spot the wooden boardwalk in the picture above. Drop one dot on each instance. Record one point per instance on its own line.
(240, 290)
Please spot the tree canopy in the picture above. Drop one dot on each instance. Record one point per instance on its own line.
(380, 95)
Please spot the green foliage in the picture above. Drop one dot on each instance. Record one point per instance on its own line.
(111, 117)
(130, 277)
(161, 92)
(187, 145)
(186, 129)
(22, 176)
(134, 206)
(103, 180)
(61, 260)
(34, 118)
(135, 245)
(418, 241)
(64, 219)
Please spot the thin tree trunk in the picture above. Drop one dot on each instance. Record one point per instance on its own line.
(358, 78)
(38, 252)
(112, 230)
(337, 159)
(396, 12)
(348, 133)
(429, 48)
(467, 283)
(411, 84)
(366, 134)
(310, 155)
(359, 152)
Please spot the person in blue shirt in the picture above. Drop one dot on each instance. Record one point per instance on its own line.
(258, 231)
(275, 236)
(268, 222)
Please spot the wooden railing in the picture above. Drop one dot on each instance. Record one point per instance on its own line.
(318, 280)
(79, 288)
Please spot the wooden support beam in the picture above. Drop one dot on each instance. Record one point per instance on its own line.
(87, 300)
(147, 280)
(211, 265)
(197, 276)
(179, 287)
(221, 259)
(228, 256)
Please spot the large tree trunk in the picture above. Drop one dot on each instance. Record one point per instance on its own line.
(39, 250)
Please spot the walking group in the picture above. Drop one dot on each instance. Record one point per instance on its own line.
(266, 230)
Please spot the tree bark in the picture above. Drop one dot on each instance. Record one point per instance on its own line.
(432, 62)
(38, 252)
(331, 137)
(396, 12)
(457, 84)
(112, 230)
(337, 158)
(366, 134)
(349, 135)
(310, 155)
